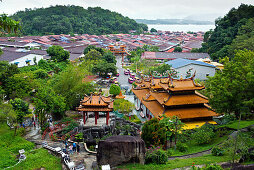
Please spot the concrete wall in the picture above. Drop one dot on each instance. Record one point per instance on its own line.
(201, 71)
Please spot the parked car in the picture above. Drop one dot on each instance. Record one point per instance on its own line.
(126, 72)
(132, 75)
(130, 80)
(113, 79)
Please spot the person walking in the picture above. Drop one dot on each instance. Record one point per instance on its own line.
(74, 147)
(34, 124)
(78, 148)
(71, 149)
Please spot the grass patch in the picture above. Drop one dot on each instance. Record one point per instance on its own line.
(39, 158)
(178, 163)
(10, 145)
(243, 124)
(193, 148)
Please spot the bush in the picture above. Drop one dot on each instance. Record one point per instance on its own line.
(153, 133)
(21, 131)
(156, 155)
(212, 167)
(182, 147)
(114, 89)
(169, 152)
(70, 127)
(217, 151)
(203, 135)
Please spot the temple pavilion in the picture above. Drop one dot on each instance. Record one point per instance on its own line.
(118, 50)
(173, 97)
(95, 103)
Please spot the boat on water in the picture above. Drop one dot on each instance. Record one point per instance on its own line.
(142, 114)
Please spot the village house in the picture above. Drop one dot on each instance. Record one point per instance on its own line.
(160, 56)
(185, 67)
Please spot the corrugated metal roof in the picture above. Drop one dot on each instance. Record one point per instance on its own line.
(180, 62)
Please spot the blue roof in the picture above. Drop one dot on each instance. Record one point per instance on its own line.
(177, 63)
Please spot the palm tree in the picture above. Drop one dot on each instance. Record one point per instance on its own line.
(8, 24)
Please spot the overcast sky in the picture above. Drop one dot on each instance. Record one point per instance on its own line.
(147, 9)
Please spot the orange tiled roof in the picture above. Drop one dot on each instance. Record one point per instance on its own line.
(185, 100)
(160, 96)
(153, 106)
(96, 102)
(187, 113)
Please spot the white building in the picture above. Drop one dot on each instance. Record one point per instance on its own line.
(182, 66)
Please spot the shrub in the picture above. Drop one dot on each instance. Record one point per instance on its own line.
(203, 135)
(156, 155)
(44, 127)
(212, 167)
(153, 133)
(114, 89)
(70, 127)
(169, 152)
(182, 147)
(22, 131)
(217, 151)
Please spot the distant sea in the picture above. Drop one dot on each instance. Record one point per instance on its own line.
(184, 28)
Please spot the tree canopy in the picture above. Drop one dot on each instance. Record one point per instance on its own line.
(231, 90)
(178, 49)
(8, 25)
(114, 89)
(74, 19)
(58, 53)
(218, 42)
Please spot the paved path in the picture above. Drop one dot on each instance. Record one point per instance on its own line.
(122, 79)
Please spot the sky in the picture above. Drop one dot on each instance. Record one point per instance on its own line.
(139, 9)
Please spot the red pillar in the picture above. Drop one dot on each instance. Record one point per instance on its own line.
(95, 116)
(84, 117)
(107, 118)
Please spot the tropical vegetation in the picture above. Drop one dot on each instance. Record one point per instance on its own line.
(74, 19)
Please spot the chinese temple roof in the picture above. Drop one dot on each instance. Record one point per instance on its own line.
(96, 102)
(173, 97)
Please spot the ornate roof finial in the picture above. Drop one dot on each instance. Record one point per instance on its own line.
(192, 77)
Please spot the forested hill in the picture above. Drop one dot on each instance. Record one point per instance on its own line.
(232, 32)
(74, 19)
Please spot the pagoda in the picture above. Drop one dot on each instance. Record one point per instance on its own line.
(95, 103)
(173, 97)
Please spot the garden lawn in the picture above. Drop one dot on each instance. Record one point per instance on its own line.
(39, 158)
(178, 163)
(9, 149)
(243, 124)
(193, 148)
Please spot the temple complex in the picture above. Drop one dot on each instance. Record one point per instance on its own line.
(173, 97)
(95, 103)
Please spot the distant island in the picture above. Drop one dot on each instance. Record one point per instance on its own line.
(173, 22)
(75, 20)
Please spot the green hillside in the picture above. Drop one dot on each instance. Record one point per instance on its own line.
(74, 19)
(233, 31)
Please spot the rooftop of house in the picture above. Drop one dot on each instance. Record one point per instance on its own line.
(172, 56)
(180, 62)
